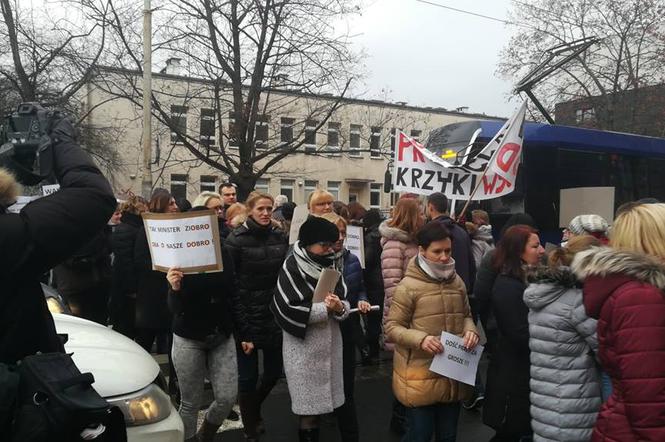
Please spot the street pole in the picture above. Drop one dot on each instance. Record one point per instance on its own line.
(146, 185)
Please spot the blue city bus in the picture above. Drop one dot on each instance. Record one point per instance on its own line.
(561, 157)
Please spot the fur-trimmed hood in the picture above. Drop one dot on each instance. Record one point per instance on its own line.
(394, 233)
(9, 188)
(604, 261)
(547, 285)
(605, 270)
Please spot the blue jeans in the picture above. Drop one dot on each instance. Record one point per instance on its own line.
(439, 420)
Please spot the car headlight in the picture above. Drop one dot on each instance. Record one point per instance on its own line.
(54, 306)
(144, 407)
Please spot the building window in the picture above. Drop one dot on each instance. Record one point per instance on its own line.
(310, 135)
(354, 140)
(333, 188)
(416, 134)
(286, 188)
(178, 185)
(286, 130)
(375, 195)
(178, 123)
(208, 183)
(262, 186)
(585, 115)
(207, 127)
(232, 132)
(333, 136)
(310, 186)
(375, 143)
(261, 131)
(393, 138)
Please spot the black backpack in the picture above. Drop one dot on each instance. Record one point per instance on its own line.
(56, 402)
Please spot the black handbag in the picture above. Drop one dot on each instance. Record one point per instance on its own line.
(56, 402)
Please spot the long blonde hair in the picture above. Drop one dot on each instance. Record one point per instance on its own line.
(641, 229)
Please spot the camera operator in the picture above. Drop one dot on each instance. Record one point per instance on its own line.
(43, 234)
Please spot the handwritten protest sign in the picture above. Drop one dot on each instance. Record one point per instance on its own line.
(189, 241)
(355, 243)
(457, 362)
(299, 217)
(50, 189)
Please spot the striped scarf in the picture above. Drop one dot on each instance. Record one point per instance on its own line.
(292, 302)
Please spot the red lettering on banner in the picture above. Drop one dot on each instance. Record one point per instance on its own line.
(496, 185)
(405, 142)
(507, 156)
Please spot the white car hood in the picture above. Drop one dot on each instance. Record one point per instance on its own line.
(119, 365)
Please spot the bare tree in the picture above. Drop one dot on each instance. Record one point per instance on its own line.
(48, 54)
(252, 59)
(628, 57)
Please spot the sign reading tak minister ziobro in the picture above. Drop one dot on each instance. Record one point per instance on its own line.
(187, 241)
(490, 173)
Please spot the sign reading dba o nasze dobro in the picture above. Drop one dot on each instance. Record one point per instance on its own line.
(188, 241)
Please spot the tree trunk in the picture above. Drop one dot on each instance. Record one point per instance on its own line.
(245, 180)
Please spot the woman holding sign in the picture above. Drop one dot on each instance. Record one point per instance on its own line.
(312, 339)
(349, 265)
(429, 300)
(258, 250)
(203, 345)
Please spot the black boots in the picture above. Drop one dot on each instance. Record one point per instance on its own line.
(250, 412)
(308, 435)
(207, 431)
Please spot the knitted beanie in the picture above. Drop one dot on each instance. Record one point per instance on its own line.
(585, 224)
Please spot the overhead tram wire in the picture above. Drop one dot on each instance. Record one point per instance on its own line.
(476, 14)
(467, 12)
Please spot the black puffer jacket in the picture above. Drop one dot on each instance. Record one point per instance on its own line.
(152, 311)
(372, 273)
(43, 234)
(205, 304)
(123, 242)
(258, 254)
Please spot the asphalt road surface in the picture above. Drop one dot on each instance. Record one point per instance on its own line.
(373, 401)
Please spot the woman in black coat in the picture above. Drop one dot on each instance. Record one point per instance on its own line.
(123, 278)
(258, 250)
(506, 407)
(203, 307)
(373, 277)
(153, 319)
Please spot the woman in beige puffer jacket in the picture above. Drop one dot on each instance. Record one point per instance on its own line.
(429, 300)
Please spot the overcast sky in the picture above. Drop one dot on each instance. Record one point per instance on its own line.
(429, 56)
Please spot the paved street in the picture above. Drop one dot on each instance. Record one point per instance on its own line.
(373, 399)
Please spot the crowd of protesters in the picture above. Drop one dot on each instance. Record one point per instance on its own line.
(575, 336)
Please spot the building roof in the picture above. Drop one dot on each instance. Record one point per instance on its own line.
(366, 102)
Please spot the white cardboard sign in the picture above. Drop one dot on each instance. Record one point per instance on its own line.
(300, 215)
(355, 243)
(189, 241)
(584, 200)
(50, 189)
(457, 362)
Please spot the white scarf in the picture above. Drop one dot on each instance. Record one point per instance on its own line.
(436, 270)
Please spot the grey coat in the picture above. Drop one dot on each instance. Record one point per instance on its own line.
(565, 382)
(313, 366)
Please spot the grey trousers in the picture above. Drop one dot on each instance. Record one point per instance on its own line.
(194, 359)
